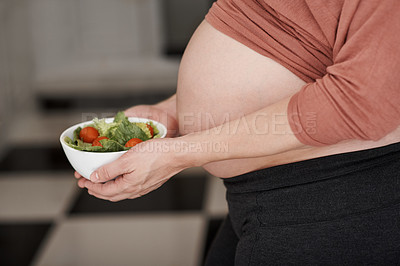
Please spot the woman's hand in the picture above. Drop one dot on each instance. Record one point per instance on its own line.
(144, 168)
(163, 112)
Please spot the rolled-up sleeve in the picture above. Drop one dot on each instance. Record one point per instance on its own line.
(359, 97)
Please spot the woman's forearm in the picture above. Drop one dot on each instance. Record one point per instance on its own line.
(262, 133)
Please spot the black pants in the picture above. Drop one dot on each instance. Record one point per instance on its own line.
(337, 210)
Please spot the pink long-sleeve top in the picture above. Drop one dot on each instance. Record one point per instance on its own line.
(348, 52)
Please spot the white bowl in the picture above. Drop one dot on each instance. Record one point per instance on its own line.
(85, 162)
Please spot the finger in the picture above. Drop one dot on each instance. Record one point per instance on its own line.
(77, 175)
(108, 189)
(112, 199)
(110, 171)
(119, 197)
(94, 194)
(81, 182)
(124, 195)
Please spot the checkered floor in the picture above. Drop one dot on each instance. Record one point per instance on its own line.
(45, 219)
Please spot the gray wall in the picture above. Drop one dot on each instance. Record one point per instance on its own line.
(55, 48)
(181, 19)
(15, 63)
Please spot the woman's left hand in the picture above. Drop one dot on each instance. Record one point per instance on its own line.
(142, 169)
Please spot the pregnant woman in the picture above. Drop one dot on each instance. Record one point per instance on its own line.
(296, 105)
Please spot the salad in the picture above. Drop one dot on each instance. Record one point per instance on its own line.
(119, 135)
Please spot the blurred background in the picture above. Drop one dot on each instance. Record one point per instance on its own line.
(67, 61)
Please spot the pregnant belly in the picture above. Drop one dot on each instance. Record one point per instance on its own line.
(220, 80)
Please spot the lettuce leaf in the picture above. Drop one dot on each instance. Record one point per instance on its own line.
(112, 145)
(126, 131)
(76, 134)
(102, 126)
(80, 145)
(120, 117)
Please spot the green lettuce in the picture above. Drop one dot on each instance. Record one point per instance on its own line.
(102, 126)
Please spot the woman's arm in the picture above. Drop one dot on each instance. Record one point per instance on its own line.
(149, 164)
(262, 133)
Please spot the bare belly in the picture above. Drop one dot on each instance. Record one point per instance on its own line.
(221, 79)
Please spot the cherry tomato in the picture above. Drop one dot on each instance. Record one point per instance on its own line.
(151, 130)
(88, 134)
(96, 142)
(132, 142)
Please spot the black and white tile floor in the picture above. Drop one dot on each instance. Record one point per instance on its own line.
(45, 219)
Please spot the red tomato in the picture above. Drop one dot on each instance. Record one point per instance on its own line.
(132, 142)
(96, 142)
(88, 134)
(151, 130)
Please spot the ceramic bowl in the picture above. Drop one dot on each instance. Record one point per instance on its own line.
(85, 162)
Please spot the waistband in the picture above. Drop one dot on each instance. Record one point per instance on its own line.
(318, 169)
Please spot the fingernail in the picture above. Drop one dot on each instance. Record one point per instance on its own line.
(94, 177)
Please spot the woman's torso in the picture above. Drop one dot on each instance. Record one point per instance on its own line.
(220, 79)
